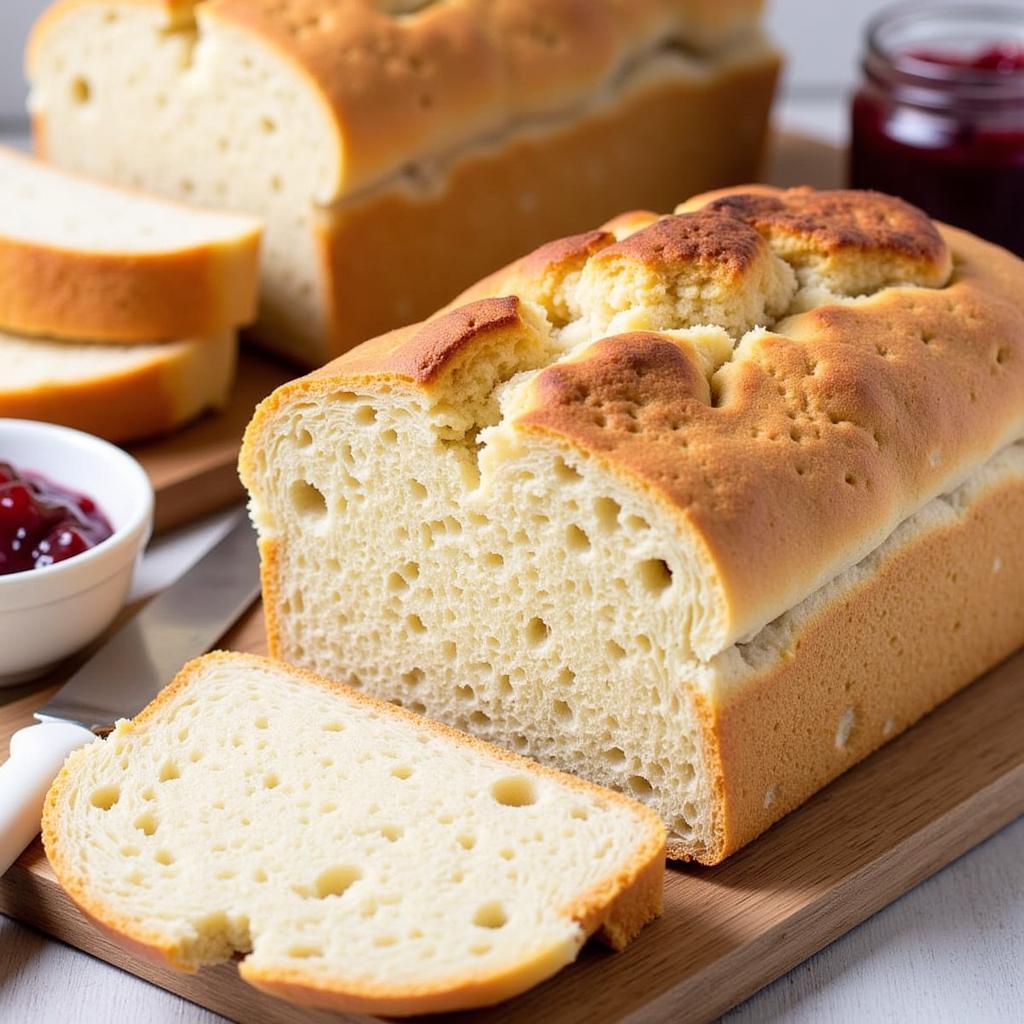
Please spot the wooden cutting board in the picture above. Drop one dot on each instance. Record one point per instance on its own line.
(892, 821)
(193, 470)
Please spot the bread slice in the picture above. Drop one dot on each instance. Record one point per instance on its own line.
(627, 511)
(363, 858)
(120, 392)
(84, 260)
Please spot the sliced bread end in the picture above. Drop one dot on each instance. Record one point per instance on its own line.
(365, 859)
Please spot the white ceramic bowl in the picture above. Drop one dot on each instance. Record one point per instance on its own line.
(47, 614)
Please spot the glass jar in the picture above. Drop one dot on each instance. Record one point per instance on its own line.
(939, 117)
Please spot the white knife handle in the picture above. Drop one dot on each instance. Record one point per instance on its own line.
(37, 754)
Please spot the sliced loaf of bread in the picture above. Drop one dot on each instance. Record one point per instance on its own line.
(120, 392)
(363, 858)
(80, 259)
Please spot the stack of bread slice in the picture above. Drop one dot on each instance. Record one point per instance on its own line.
(118, 311)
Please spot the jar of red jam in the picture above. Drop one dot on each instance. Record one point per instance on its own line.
(939, 118)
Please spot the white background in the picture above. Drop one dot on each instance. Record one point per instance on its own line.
(952, 950)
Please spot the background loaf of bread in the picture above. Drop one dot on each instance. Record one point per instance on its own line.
(397, 151)
(703, 507)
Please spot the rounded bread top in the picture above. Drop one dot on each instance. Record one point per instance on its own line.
(788, 374)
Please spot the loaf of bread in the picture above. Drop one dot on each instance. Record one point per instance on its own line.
(83, 260)
(703, 507)
(362, 858)
(399, 149)
(120, 392)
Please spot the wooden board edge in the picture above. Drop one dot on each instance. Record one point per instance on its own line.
(851, 901)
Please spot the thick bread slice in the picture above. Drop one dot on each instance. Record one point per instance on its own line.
(120, 392)
(84, 260)
(364, 859)
(565, 516)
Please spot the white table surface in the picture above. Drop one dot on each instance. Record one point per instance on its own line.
(951, 950)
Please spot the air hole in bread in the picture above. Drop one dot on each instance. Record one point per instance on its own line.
(576, 539)
(655, 575)
(415, 624)
(307, 499)
(169, 771)
(81, 90)
(389, 436)
(467, 842)
(365, 415)
(537, 631)
(392, 833)
(566, 473)
(490, 915)
(130, 850)
(402, 771)
(640, 786)
(514, 791)
(164, 857)
(335, 881)
(271, 780)
(417, 490)
(261, 722)
(562, 710)
(614, 755)
(332, 727)
(607, 511)
(614, 649)
(397, 583)
(303, 438)
(105, 797)
(146, 823)
(634, 522)
(580, 813)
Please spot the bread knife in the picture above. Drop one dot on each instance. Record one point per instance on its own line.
(124, 675)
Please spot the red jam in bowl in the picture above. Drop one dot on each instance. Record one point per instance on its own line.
(939, 118)
(42, 522)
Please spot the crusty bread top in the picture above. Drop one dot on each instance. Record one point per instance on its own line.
(788, 374)
(405, 78)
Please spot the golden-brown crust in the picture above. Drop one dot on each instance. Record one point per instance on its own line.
(105, 295)
(623, 903)
(443, 74)
(126, 297)
(935, 615)
(705, 237)
(426, 354)
(840, 220)
(136, 403)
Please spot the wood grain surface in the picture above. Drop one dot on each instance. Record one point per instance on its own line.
(193, 470)
(895, 819)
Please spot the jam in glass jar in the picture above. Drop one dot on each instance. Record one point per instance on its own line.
(939, 118)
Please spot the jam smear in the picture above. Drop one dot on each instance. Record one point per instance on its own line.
(42, 522)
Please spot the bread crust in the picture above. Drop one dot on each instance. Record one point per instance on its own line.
(932, 618)
(174, 386)
(617, 908)
(98, 295)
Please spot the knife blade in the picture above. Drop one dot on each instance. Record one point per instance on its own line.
(125, 674)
